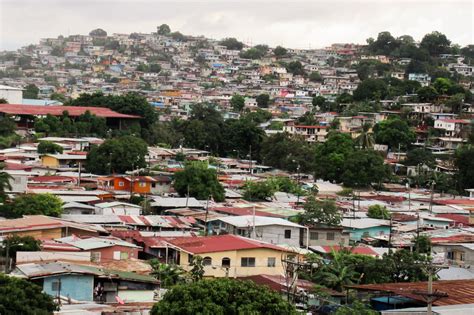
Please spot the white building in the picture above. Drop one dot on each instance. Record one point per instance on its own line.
(11, 94)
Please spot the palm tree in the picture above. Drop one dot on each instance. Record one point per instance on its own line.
(337, 274)
(366, 137)
(4, 183)
(168, 275)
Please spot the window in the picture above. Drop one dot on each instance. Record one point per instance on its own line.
(95, 256)
(142, 184)
(287, 233)
(330, 236)
(55, 286)
(247, 261)
(313, 235)
(226, 262)
(124, 255)
(271, 262)
(121, 184)
(207, 261)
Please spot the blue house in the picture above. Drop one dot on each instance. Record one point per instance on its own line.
(365, 227)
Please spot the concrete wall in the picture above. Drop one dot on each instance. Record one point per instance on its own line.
(12, 96)
(129, 296)
(25, 257)
(77, 287)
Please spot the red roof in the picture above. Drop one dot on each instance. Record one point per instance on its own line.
(456, 121)
(467, 202)
(311, 127)
(52, 179)
(219, 243)
(458, 219)
(17, 167)
(360, 250)
(74, 111)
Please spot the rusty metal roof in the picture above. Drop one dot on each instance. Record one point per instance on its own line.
(459, 291)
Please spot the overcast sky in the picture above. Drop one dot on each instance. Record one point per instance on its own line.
(296, 24)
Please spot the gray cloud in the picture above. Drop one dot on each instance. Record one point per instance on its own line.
(300, 24)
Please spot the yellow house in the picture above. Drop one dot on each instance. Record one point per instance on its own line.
(65, 161)
(230, 255)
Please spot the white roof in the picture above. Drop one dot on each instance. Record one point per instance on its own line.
(6, 87)
(364, 223)
(68, 156)
(175, 202)
(247, 220)
(77, 205)
(116, 204)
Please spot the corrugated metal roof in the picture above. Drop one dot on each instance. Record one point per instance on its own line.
(459, 291)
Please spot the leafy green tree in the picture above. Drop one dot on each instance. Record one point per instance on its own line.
(163, 29)
(238, 102)
(394, 132)
(18, 296)
(117, 155)
(336, 274)
(168, 275)
(436, 43)
(33, 204)
(464, 161)
(17, 243)
(58, 97)
(420, 156)
(330, 156)
(3, 100)
(455, 103)
(364, 167)
(240, 136)
(7, 126)
(295, 67)
(256, 52)
(280, 51)
(197, 268)
(155, 68)
(427, 94)
(442, 85)
(320, 212)
(263, 100)
(319, 101)
(224, 297)
(356, 308)
(201, 181)
(98, 32)
(45, 147)
(422, 244)
(378, 212)
(231, 43)
(385, 44)
(371, 89)
(31, 91)
(5, 185)
(258, 191)
(315, 77)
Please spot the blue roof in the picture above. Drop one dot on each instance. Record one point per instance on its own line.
(28, 101)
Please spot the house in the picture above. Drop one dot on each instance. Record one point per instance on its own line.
(43, 227)
(423, 78)
(267, 229)
(63, 161)
(461, 254)
(452, 127)
(88, 283)
(229, 255)
(325, 236)
(77, 208)
(13, 95)
(316, 133)
(366, 227)
(134, 184)
(118, 208)
(101, 248)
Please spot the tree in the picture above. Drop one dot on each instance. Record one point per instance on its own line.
(18, 296)
(422, 244)
(168, 275)
(201, 181)
(197, 268)
(222, 296)
(58, 97)
(98, 32)
(394, 132)
(315, 77)
(154, 68)
(320, 212)
(366, 138)
(464, 161)
(7, 126)
(427, 94)
(163, 29)
(31, 91)
(256, 52)
(17, 243)
(117, 155)
(263, 100)
(3, 100)
(231, 43)
(436, 43)
(34, 204)
(295, 67)
(5, 185)
(238, 102)
(337, 273)
(442, 85)
(378, 212)
(330, 156)
(319, 101)
(420, 156)
(364, 167)
(371, 89)
(258, 191)
(45, 147)
(280, 51)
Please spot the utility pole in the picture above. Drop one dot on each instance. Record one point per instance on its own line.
(429, 295)
(79, 176)
(254, 234)
(187, 196)
(433, 183)
(250, 157)
(206, 229)
(131, 183)
(298, 182)
(7, 256)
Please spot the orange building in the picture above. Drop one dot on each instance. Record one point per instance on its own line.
(137, 184)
